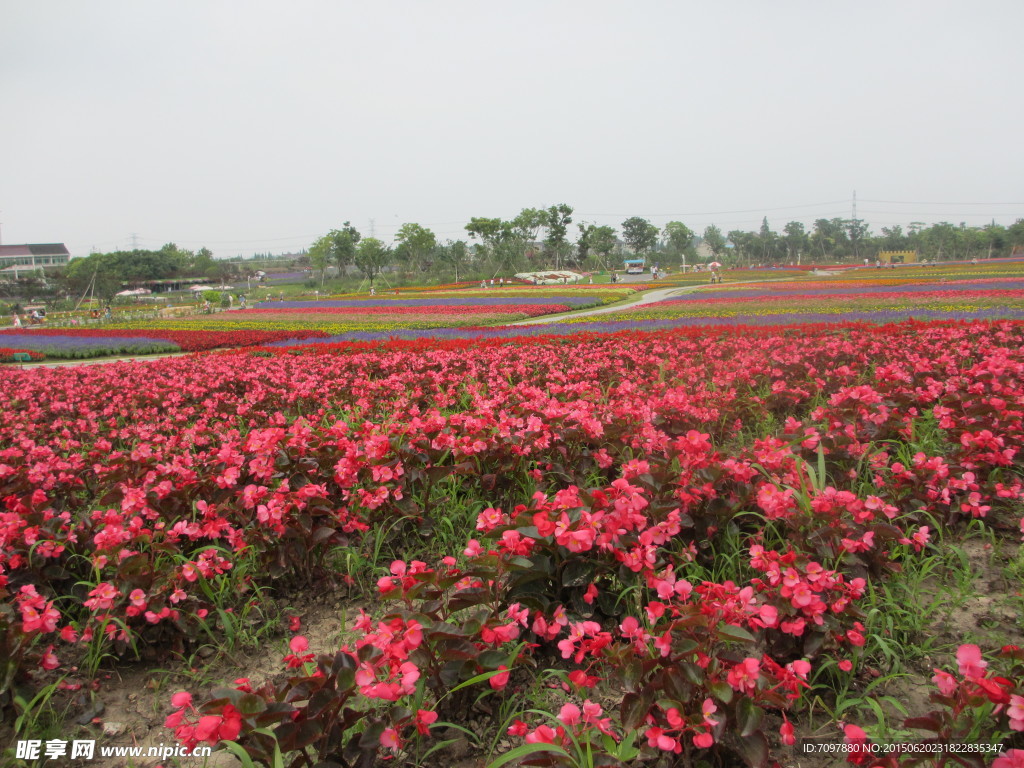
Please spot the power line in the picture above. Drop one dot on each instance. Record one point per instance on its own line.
(720, 213)
(919, 202)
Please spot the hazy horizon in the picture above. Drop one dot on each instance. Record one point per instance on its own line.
(258, 127)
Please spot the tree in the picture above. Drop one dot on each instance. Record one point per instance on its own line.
(343, 245)
(455, 254)
(201, 262)
(320, 256)
(893, 238)
(830, 238)
(527, 225)
(485, 230)
(415, 244)
(795, 240)
(680, 237)
(639, 234)
(371, 257)
(583, 242)
(557, 220)
(744, 245)
(715, 240)
(764, 246)
(603, 242)
(857, 230)
(1015, 233)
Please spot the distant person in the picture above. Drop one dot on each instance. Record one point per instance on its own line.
(492, 282)
(17, 320)
(241, 301)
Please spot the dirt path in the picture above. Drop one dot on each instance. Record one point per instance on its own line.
(648, 297)
(96, 361)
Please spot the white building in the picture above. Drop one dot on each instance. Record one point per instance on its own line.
(30, 257)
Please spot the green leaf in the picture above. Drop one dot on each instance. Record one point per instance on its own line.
(748, 716)
(634, 709)
(732, 632)
(525, 751)
(755, 749)
(577, 573)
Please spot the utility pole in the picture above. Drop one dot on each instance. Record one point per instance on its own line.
(135, 241)
(372, 231)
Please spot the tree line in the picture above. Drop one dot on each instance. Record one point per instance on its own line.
(543, 238)
(548, 238)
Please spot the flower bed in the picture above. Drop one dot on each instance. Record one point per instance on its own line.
(592, 484)
(96, 342)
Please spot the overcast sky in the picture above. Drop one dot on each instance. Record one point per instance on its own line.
(257, 126)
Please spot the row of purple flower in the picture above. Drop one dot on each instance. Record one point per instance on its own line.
(576, 301)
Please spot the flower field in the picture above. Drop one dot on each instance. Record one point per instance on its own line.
(79, 343)
(685, 547)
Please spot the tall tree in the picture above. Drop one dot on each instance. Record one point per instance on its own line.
(715, 240)
(455, 254)
(639, 234)
(795, 240)
(679, 237)
(857, 230)
(528, 224)
(893, 238)
(371, 257)
(765, 245)
(603, 242)
(745, 245)
(488, 231)
(320, 256)
(343, 245)
(557, 220)
(583, 242)
(415, 244)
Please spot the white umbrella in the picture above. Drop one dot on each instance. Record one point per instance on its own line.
(134, 292)
(714, 265)
(199, 287)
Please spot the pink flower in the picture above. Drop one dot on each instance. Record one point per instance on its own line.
(181, 699)
(945, 682)
(703, 740)
(1011, 759)
(569, 714)
(389, 739)
(1016, 712)
(500, 680)
(846, 665)
(970, 661)
(299, 644)
(787, 734)
(424, 719)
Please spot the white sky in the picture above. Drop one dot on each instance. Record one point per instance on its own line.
(254, 126)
